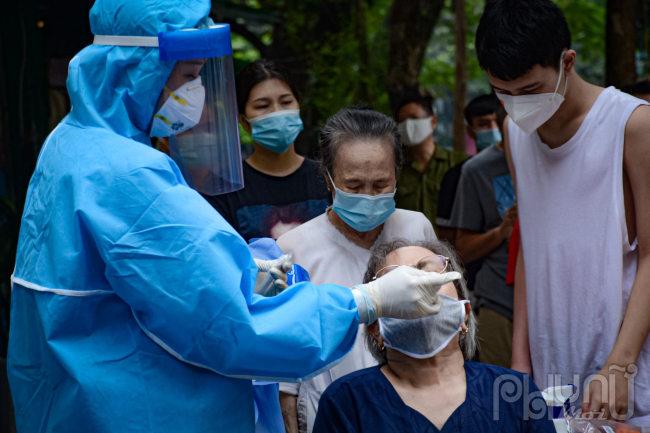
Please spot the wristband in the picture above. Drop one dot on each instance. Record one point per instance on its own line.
(369, 310)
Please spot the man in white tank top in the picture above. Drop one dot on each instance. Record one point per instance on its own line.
(580, 159)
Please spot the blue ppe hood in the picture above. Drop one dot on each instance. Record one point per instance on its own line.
(200, 118)
(132, 306)
(117, 87)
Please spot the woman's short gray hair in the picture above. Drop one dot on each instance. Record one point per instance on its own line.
(357, 124)
(468, 342)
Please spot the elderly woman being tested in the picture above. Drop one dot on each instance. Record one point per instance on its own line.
(424, 382)
(360, 159)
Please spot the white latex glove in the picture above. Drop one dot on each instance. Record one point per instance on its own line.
(405, 293)
(272, 277)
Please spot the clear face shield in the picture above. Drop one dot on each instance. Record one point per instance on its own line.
(197, 111)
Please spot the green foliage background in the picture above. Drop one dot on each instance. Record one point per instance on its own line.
(333, 57)
(586, 19)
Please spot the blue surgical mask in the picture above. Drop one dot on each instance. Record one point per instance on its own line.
(487, 137)
(278, 130)
(363, 212)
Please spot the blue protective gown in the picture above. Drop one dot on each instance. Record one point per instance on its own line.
(133, 305)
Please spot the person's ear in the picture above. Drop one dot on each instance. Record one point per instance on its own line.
(373, 331)
(330, 187)
(244, 123)
(569, 62)
(468, 309)
(434, 122)
(470, 132)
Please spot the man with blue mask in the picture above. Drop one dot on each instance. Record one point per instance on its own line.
(482, 126)
(483, 215)
(579, 159)
(425, 161)
(132, 303)
(481, 121)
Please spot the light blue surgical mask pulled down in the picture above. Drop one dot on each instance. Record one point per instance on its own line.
(278, 130)
(487, 137)
(196, 150)
(363, 212)
(426, 337)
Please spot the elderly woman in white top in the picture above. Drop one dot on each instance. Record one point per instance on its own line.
(360, 157)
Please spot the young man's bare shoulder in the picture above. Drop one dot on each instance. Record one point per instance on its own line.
(639, 121)
(637, 131)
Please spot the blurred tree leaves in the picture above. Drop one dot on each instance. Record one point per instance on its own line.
(335, 65)
(438, 71)
(586, 19)
(319, 40)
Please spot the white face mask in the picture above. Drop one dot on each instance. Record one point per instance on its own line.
(181, 111)
(415, 131)
(424, 338)
(529, 112)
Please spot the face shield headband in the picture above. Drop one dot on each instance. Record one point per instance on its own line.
(196, 117)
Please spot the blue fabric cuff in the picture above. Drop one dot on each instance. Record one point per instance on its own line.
(265, 249)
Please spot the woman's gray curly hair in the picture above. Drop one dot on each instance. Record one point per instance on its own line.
(468, 342)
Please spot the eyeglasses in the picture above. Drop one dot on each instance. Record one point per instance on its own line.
(432, 263)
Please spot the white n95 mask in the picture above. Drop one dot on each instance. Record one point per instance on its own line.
(415, 131)
(425, 337)
(181, 111)
(529, 112)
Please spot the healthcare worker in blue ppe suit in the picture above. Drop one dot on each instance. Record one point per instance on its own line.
(133, 305)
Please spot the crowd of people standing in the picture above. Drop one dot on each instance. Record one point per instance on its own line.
(469, 202)
(548, 225)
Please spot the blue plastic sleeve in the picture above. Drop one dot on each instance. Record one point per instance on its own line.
(195, 44)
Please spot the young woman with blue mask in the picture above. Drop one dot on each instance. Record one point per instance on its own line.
(361, 157)
(281, 188)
